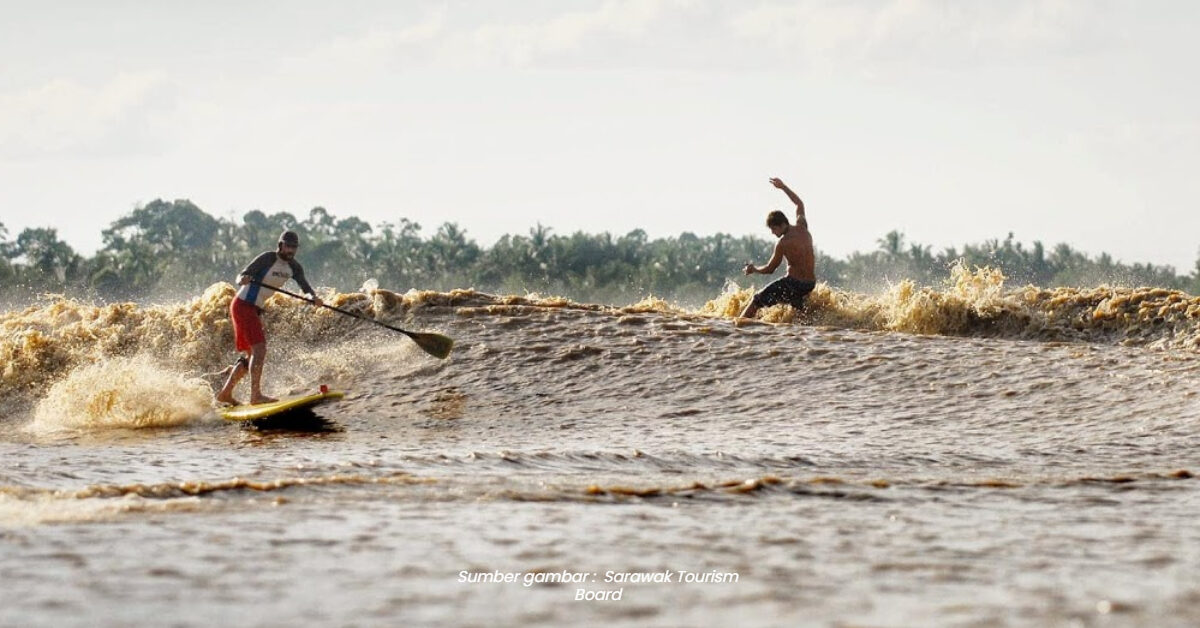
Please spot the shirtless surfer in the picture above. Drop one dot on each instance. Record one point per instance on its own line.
(795, 245)
(272, 269)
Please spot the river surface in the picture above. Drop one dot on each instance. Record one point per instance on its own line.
(973, 456)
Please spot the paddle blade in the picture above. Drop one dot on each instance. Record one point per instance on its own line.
(437, 345)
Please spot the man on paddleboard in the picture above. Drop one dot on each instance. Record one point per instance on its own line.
(272, 269)
(795, 245)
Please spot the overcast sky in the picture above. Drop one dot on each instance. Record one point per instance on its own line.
(953, 121)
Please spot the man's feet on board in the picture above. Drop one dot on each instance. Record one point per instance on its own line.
(230, 375)
(254, 401)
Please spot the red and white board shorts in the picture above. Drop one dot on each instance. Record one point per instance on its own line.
(247, 326)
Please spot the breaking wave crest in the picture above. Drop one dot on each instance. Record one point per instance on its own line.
(976, 303)
(103, 364)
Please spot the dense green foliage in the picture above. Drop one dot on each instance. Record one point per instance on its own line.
(174, 248)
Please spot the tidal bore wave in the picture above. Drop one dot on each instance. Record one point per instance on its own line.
(85, 364)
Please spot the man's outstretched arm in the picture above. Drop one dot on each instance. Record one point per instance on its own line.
(777, 182)
(776, 259)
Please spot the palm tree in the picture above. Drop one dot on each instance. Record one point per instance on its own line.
(892, 244)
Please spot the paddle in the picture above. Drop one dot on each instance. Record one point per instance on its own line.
(437, 345)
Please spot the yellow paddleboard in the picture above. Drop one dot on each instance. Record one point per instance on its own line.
(264, 410)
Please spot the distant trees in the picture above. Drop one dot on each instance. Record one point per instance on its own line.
(37, 260)
(173, 248)
(7, 276)
(158, 244)
(897, 259)
(1195, 287)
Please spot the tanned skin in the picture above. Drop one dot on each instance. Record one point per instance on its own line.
(795, 245)
(258, 352)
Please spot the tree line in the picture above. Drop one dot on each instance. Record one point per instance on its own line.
(172, 248)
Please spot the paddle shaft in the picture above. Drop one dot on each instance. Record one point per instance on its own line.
(337, 309)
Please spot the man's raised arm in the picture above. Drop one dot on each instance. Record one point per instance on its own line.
(777, 182)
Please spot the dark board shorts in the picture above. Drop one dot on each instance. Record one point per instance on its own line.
(784, 290)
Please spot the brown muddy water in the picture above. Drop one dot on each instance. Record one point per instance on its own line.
(969, 456)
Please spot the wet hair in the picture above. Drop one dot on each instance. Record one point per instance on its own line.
(289, 238)
(776, 219)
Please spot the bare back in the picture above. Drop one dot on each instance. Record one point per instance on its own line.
(797, 248)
